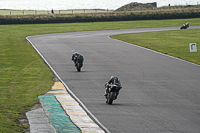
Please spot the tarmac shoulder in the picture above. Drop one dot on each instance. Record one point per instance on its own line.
(39, 122)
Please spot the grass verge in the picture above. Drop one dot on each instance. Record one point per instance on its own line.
(24, 75)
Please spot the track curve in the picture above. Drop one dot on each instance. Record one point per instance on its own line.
(160, 93)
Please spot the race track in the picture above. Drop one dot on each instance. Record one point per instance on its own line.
(160, 94)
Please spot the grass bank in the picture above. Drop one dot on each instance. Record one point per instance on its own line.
(24, 75)
(101, 17)
(42, 12)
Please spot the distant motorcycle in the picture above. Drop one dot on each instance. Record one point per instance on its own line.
(184, 27)
(111, 94)
(79, 63)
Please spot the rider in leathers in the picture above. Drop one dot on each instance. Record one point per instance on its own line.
(75, 56)
(113, 81)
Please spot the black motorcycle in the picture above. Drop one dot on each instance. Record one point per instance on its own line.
(111, 94)
(184, 27)
(79, 63)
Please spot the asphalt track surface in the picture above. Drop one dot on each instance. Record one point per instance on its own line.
(160, 94)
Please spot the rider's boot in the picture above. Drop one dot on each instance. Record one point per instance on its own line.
(106, 92)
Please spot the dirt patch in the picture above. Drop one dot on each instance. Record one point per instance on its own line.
(24, 122)
(56, 80)
(36, 106)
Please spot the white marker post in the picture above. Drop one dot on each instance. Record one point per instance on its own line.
(193, 47)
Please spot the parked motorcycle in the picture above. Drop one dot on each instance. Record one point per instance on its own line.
(111, 94)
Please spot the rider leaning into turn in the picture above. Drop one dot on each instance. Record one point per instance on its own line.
(113, 81)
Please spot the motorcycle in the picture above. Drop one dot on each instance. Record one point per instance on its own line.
(79, 63)
(184, 27)
(111, 94)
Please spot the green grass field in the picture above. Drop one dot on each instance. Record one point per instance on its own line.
(24, 75)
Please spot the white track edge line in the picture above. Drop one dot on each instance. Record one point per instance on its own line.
(155, 51)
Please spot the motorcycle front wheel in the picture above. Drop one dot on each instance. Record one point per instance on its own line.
(111, 97)
(79, 67)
